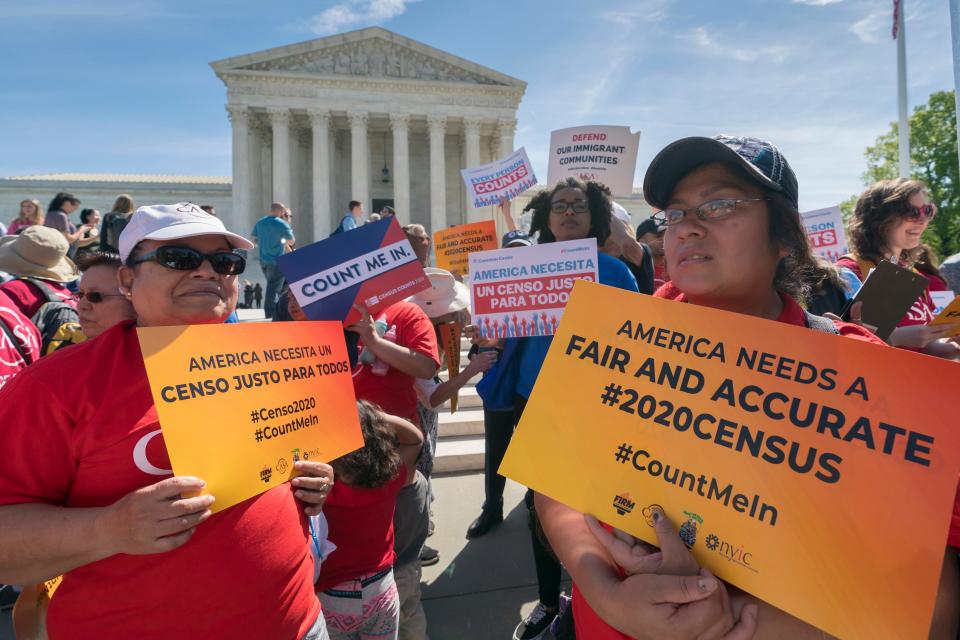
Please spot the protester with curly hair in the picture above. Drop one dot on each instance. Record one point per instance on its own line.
(888, 224)
(30, 213)
(356, 585)
(571, 210)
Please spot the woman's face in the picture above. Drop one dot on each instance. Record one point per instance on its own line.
(564, 222)
(164, 296)
(69, 207)
(94, 219)
(97, 317)
(28, 210)
(905, 234)
(720, 262)
(294, 309)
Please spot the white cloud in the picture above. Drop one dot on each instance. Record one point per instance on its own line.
(869, 28)
(703, 39)
(815, 3)
(646, 11)
(356, 12)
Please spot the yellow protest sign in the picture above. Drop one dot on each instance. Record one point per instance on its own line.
(453, 246)
(796, 463)
(949, 315)
(239, 404)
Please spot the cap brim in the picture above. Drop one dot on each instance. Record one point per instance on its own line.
(190, 230)
(679, 158)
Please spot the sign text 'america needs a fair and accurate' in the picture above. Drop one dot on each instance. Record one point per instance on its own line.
(766, 439)
(253, 379)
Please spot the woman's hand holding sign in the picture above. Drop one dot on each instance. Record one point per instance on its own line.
(156, 518)
(312, 485)
(679, 599)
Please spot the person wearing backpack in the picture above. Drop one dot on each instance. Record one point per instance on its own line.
(19, 341)
(37, 258)
(115, 222)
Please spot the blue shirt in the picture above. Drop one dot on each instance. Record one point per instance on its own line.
(271, 232)
(349, 223)
(533, 351)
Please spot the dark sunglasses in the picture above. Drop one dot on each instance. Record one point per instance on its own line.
(93, 296)
(226, 263)
(926, 212)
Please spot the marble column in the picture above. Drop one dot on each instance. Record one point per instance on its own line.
(400, 125)
(505, 129)
(322, 218)
(241, 218)
(437, 126)
(471, 135)
(280, 120)
(359, 159)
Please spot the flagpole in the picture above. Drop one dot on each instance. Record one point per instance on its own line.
(904, 126)
(955, 36)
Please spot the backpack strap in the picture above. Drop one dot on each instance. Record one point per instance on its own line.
(819, 323)
(44, 289)
(13, 340)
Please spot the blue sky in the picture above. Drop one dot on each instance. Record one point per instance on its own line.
(124, 86)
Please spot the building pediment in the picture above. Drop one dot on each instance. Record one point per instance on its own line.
(374, 53)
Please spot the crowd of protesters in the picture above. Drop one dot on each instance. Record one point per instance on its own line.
(85, 487)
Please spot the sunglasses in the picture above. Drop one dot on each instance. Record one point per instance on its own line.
(93, 296)
(926, 212)
(226, 263)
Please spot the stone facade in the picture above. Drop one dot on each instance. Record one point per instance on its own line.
(315, 124)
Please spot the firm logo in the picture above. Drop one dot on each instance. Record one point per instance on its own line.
(265, 474)
(623, 504)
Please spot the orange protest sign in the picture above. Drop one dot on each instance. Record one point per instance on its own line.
(453, 246)
(239, 404)
(949, 315)
(450, 339)
(793, 461)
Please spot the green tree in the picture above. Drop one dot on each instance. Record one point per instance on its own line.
(933, 159)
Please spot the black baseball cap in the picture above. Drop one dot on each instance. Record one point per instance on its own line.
(650, 225)
(516, 237)
(761, 160)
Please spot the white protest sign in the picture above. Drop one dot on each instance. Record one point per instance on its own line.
(522, 292)
(506, 178)
(601, 153)
(825, 229)
(941, 299)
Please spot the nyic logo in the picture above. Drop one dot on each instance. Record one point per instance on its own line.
(265, 474)
(282, 465)
(623, 504)
(737, 554)
(688, 530)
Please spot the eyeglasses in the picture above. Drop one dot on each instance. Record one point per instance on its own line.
(713, 210)
(226, 263)
(94, 297)
(926, 212)
(561, 208)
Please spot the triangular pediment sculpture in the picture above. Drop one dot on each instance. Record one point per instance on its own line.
(373, 53)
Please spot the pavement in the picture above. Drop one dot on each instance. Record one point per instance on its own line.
(480, 589)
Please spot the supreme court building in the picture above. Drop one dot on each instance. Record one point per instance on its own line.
(367, 115)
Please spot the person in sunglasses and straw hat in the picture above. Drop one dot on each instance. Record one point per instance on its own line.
(37, 258)
(86, 489)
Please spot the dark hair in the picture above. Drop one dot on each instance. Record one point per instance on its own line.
(86, 213)
(598, 200)
(353, 203)
(800, 272)
(209, 208)
(877, 210)
(388, 211)
(379, 460)
(89, 259)
(927, 262)
(61, 198)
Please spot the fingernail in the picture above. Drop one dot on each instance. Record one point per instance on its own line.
(706, 585)
(298, 464)
(203, 484)
(656, 516)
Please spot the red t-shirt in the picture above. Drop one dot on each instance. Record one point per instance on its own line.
(660, 276)
(922, 311)
(361, 525)
(27, 338)
(86, 441)
(394, 391)
(588, 623)
(29, 299)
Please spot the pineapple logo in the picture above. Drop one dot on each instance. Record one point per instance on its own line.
(688, 530)
(296, 455)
